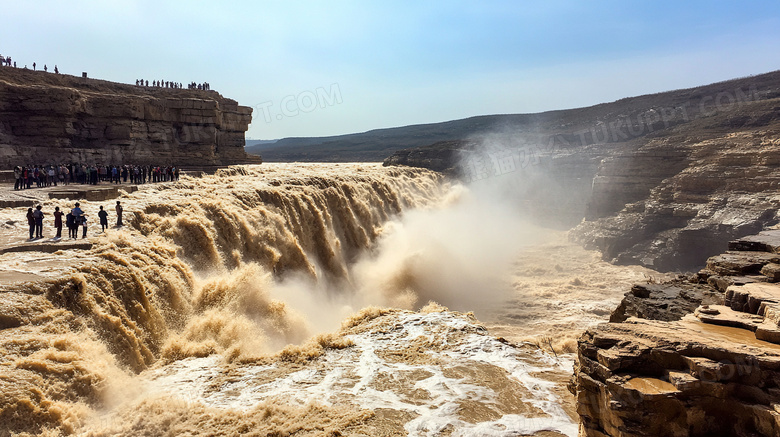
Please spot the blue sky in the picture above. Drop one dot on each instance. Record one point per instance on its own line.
(314, 68)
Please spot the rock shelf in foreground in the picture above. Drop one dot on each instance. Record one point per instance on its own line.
(653, 371)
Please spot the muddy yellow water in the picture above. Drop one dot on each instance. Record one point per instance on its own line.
(650, 386)
(292, 299)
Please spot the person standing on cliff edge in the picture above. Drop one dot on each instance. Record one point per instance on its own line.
(38, 215)
(103, 215)
(70, 223)
(77, 213)
(58, 222)
(119, 210)
(31, 222)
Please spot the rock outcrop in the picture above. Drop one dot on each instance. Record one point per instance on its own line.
(667, 302)
(443, 157)
(52, 118)
(715, 190)
(712, 371)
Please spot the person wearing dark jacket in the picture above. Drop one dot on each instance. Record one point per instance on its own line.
(31, 222)
(103, 219)
(70, 223)
(38, 215)
(119, 210)
(58, 221)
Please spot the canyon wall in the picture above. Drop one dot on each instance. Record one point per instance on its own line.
(680, 198)
(662, 180)
(698, 356)
(52, 118)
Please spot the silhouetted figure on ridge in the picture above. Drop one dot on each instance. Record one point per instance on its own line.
(31, 222)
(33, 66)
(45, 68)
(103, 219)
(38, 215)
(70, 223)
(119, 210)
(56, 70)
(58, 222)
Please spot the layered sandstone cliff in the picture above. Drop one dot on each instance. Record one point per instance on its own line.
(663, 180)
(679, 199)
(696, 357)
(49, 118)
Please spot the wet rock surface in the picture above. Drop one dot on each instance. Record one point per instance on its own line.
(693, 357)
(667, 302)
(685, 378)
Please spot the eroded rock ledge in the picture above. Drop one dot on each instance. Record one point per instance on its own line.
(661, 368)
(52, 118)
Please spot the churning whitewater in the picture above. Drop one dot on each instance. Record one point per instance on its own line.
(291, 299)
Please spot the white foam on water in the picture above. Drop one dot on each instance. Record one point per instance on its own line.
(353, 376)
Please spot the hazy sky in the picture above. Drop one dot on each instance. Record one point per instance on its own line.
(312, 68)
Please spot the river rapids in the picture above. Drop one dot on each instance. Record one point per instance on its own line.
(301, 300)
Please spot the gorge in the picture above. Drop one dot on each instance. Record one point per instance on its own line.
(359, 299)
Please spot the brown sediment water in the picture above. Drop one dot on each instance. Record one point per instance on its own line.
(228, 304)
(727, 334)
(650, 386)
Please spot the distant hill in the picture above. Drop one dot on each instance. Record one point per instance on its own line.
(257, 147)
(668, 109)
(251, 143)
(371, 146)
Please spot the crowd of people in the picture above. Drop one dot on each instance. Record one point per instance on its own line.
(205, 86)
(6, 61)
(39, 176)
(74, 220)
(159, 84)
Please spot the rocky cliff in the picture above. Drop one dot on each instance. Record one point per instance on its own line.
(663, 180)
(696, 357)
(704, 184)
(51, 118)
